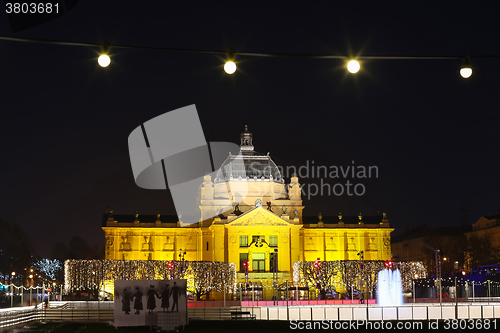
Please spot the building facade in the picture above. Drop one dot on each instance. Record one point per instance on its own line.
(484, 242)
(263, 235)
(421, 243)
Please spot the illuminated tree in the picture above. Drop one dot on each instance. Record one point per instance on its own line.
(317, 274)
(351, 274)
(349, 271)
(410, 270)
(52, 269)
(202, 276)
(209, 275)
(370, 274)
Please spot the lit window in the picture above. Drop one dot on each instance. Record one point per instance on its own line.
(258, 262)
(273, 241)
(243, 241)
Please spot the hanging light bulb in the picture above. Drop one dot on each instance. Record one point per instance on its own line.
(353, 66)
(466, 70)
(230, 66)
(104, 60)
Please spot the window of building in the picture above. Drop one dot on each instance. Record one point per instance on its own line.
(255, 238)
(273, 241)
(258, 262)
(243, 241)
(207, 246)
(243, 260)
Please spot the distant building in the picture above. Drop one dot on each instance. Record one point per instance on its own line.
(265, 228)
(419, 244)
(488, 226)
(484, 242)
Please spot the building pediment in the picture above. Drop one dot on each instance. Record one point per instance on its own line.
(258, 217)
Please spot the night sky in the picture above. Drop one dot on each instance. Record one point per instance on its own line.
(433, 135)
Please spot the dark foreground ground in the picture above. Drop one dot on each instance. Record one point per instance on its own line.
(194, 326)
(256, 327)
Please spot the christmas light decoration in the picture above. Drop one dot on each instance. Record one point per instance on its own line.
(317, 274)
(353, 66)
(48, 267)
(466, 70)
(345, 275)
(410, 269)
(104, 60)
(202, 276)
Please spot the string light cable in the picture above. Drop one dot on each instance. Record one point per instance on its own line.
(230, 66)
(29, 287)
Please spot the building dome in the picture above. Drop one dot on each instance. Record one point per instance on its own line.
(249, 165)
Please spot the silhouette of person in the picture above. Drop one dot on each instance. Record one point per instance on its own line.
(126, 299)
(150, 295)
(138, 301)
(165, 298)
(175, 292)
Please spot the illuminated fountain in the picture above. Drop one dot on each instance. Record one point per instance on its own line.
(389, 291)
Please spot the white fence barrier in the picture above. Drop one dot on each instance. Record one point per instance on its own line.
(103, 311)
(15, 317)
(58, 311)
(404, 312)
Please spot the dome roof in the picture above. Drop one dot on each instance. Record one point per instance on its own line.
(249, 166)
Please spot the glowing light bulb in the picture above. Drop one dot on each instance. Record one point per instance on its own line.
(104, 60)
(230, 67)
(465, 72)
(353, 66)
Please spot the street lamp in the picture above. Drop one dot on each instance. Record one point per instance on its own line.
(316, 266)
(13, 274)
(182, 255)
(275, 275)
(361, 255)
(438, 274)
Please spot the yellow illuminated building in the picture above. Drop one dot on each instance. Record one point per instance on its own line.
(265, 228)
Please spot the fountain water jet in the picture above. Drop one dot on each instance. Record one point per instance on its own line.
(389, 291)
